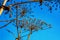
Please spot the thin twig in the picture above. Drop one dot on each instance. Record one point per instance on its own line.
(22, 3)
(6, 24)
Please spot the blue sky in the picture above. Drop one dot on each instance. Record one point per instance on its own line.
(45, 15)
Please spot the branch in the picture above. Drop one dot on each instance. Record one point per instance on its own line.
(22, 3)
(7, 24)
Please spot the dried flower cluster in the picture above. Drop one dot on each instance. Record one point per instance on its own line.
(24, 22)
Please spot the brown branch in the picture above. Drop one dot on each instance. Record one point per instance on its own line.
(7, 24)
(22, 3)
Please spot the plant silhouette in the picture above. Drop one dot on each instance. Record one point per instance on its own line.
(18, 15)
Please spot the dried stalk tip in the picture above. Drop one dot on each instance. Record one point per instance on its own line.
(16, 38)
(1, 9)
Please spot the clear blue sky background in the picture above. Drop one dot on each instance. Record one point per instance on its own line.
(51, 18)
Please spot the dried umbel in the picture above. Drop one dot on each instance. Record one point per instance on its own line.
(35, 26)
(22, 22)
(23, 12)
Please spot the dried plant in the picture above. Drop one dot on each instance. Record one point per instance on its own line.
(22, 21)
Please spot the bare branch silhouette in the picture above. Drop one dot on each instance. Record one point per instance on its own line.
(21, 21)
